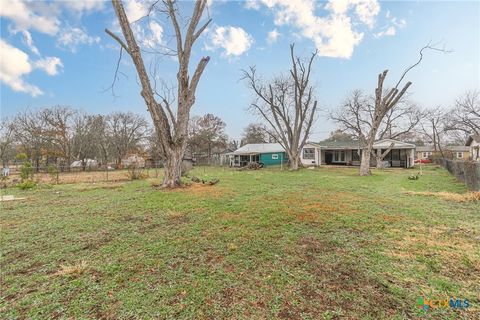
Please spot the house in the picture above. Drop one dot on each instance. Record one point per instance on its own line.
(473, 143)
(401, 155)
(458, 152)
(326, 153)
(424, 152)
(86, 163)
(449, 152)
(266, 153)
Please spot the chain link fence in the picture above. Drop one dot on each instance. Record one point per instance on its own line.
(465, 171)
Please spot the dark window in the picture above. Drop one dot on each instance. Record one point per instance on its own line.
(309, 153)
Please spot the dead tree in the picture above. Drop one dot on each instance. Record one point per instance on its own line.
(287, 104)
(171, 128)
(383, 102)
(434, 127)
(465, 116)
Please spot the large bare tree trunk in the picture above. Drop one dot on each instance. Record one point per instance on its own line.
(171, 128)
(365, 162)
(173, 168)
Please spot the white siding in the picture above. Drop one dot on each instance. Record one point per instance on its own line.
(310, 162)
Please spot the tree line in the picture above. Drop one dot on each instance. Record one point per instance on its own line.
(60, 135)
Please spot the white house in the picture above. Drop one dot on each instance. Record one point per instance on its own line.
(402, 155)
(474, 143)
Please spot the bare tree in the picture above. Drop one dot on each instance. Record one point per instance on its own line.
(29, 130)
(357, 115)
(171, 129)
(58, 131)
(287, 103)
(255, 133)
(464, 118)
(340, 135)
(125, 131)
(434, 128)
(85, 137)
(207, 134)
(384, 101)
(7, 139)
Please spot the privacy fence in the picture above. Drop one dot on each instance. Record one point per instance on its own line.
(465, 171)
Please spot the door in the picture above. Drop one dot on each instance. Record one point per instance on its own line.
(328, 157)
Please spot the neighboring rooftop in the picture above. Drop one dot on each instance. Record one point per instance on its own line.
(444, 148)
(255, 148)
(355, 144)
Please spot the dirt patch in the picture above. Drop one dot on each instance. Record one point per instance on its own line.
(456, 197)
(101, 186)
(200, 189)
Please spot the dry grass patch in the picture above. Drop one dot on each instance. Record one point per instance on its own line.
(457, 197)
(75, 269)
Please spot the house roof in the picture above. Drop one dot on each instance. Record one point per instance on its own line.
(386, 143)
(444, 148)
(355, 144)
(457, 148)
(424, 148)
(339, 144)
(256, 148)
(473, 137)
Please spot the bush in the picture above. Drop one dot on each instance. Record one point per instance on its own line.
(21, 157)
(27, 184)
(26, 171)
(136, 173)
(53, 172)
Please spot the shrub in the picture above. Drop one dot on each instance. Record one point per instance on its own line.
(136, 173)
(53, 172)
(21, 156)
(27, 184)
(26, 171)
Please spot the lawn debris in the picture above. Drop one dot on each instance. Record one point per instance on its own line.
(414, 176)
(457, 197)
(10, 198)
(252, 166)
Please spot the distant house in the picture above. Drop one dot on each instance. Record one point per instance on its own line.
(424, 152)
(473, 143)
(458, 152)
(326, 153)
(87, 163)
(449, 152)
(266, 153)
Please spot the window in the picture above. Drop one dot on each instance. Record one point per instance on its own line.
(309, 153)
(274, 156)
(425, 155)
(459, 154)
(339, 156)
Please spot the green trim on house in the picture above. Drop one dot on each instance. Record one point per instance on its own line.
(274, 158)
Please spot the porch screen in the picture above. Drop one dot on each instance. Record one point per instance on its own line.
(309, 153)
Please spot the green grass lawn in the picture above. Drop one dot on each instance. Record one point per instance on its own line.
(267, 244)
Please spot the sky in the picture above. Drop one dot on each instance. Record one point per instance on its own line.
(57, 52)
